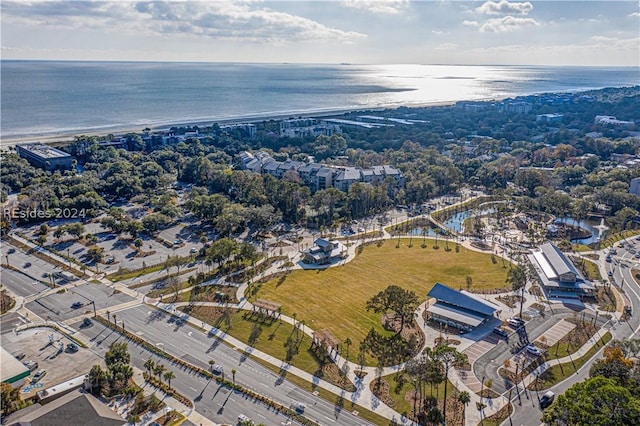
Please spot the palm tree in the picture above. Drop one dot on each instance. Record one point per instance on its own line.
(449, 357)
(347, 343)
(465, 398)
(158, 370)
(168, 376)
(114, 320)
(149, 365)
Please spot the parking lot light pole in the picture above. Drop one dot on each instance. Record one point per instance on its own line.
(94, 308)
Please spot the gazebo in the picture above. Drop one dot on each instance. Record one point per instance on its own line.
(326, 340)
(266, 308)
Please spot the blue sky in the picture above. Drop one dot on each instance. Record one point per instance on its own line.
(354, 31)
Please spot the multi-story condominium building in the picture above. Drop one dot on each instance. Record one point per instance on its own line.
(44, 156)
(318, 176)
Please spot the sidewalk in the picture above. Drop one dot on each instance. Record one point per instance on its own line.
(363, 395)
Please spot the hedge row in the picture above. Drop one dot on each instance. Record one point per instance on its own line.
(167, 389)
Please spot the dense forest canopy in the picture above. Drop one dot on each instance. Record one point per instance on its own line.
(568, 167)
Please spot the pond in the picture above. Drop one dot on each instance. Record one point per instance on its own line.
(588, 225)
(455, 222)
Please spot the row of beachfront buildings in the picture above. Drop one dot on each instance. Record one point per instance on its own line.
(318, 176)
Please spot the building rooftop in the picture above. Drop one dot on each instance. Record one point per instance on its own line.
(44, 151)
(74, 408)
(10, 367)
(454, 297)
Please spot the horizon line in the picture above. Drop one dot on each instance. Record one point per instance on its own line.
(310, 63)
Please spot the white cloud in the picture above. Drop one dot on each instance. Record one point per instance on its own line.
(603, 38)
(634, 14)
(447, 46)
(243, 21)
(391, 7)
(470, 23)
(504, 7)
(507, 23)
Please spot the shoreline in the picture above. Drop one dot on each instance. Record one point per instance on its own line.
(60, 137)
(66, 136)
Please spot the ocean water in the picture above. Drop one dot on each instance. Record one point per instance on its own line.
(40, 98)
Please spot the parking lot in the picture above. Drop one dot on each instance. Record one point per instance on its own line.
(42, 346)
(58, 306)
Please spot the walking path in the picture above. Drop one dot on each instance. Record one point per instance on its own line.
(464, 381)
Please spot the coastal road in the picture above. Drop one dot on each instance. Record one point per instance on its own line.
(197, 347)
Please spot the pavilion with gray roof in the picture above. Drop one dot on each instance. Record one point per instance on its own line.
(558, 275)
(458, 309)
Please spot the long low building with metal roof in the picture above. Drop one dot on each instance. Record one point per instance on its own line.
(558, 275)
(458, 309)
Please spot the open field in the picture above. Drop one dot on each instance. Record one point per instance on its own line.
(336, 298)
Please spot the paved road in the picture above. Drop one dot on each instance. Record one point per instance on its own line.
(529, 412)
(28, 263)
(57, 306)
(20, 284)
(197, 347)
(213, 401)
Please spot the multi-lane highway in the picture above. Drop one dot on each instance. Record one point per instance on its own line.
(197, 347)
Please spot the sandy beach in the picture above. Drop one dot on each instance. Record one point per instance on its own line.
(66, 137)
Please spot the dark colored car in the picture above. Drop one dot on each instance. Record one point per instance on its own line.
(72, 347)
(86, 322)
(627, 310)
(77, 305)
(547, 399)
(500, 332)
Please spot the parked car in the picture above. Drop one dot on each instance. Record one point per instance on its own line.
(217, 369)
(77, 305)
(72, 347)
(533, 350)
(19, 356)
(610, 273)
(31, 365)
(28, 264)
(86, 322)
(243, 420)
(515, 322)
(193, 250)
(110, 260)
(547, 399)
(500, 332)
(627, 310)
(39, 375)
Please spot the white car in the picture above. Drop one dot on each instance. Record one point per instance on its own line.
(515, 322)
(38, 376)
(533, 350)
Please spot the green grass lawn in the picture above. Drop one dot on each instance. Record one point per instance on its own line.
(402, 404)
(336, 298)
(558, 373)
(271, 339)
